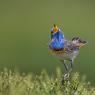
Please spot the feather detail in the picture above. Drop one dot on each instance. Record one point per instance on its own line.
(57, 40)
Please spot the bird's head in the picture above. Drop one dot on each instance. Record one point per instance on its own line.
(54, 31)
(55, 28)
(77, 41)
(57, 38)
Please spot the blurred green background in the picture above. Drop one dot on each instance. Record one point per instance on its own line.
(25, 33)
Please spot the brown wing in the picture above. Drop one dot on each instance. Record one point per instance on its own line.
(69, 46)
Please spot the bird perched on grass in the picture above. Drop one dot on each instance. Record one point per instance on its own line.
(64, 49)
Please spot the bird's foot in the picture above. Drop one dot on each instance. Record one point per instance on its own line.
(65, 78)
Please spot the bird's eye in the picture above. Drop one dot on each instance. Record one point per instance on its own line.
(51, 32)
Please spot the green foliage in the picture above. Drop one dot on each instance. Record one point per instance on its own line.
(14, 83)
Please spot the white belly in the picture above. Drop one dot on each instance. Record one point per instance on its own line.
(67, 56)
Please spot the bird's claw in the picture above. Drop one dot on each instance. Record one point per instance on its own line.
(65, 78)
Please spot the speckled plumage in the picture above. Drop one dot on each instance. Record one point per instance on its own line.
(64, 49)
(69, 52)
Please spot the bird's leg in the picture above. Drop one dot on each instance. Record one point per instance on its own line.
(66, 67)
(66, 74)
(71, 65)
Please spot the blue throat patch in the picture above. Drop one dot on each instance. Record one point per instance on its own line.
(57, 40)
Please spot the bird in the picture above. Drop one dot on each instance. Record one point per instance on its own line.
(65, 50)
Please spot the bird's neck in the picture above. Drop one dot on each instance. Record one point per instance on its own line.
(58, 36)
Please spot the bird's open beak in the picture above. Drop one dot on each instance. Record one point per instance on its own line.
(55, 28)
